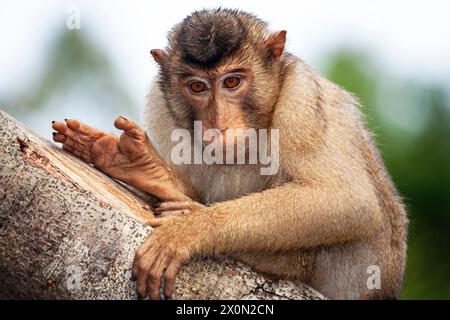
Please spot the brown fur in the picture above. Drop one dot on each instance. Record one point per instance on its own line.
(329, 213)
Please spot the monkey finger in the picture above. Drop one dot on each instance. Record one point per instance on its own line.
(62, 128)
(58, 137)
(80, 131)
(169, 277)
(59, 126)
(140, 272)
(130, 128)
(142, 251)
(73, 124)
(141, 287)
(155, 275)
(153, 287)
(72, 129)
(84, 131)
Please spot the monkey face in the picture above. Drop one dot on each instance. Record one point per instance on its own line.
(224, 69)
(217, 98)
(236, 95)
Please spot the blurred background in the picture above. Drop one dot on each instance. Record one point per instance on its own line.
(90, 60)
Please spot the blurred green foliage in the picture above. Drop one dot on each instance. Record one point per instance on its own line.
(411, 121)
(74, 64)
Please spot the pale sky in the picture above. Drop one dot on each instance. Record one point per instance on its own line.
(409, 38)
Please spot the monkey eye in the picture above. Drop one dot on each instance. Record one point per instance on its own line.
(198, 86)
(231, 82)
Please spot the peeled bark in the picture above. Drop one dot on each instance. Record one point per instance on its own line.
(67, 231)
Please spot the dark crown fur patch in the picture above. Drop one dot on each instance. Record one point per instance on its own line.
(208, 36)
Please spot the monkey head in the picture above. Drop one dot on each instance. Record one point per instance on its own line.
(223, 68)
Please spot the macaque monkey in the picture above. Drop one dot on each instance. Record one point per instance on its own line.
(330, 216)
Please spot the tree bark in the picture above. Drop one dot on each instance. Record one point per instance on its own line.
(67, 231)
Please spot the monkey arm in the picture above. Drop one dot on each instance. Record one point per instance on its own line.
(287, 217)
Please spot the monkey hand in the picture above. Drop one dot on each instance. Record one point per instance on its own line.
(161, 256)
(129, 158)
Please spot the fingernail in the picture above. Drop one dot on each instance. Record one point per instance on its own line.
(53, 121)
(124, 118)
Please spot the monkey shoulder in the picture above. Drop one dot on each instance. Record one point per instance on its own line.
(320, 125)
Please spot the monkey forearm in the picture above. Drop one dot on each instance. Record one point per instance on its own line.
(287, 218)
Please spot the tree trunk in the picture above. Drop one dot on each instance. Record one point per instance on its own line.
(67, 231)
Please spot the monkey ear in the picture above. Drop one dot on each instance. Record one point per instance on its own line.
(159, 55)
(275, 43)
